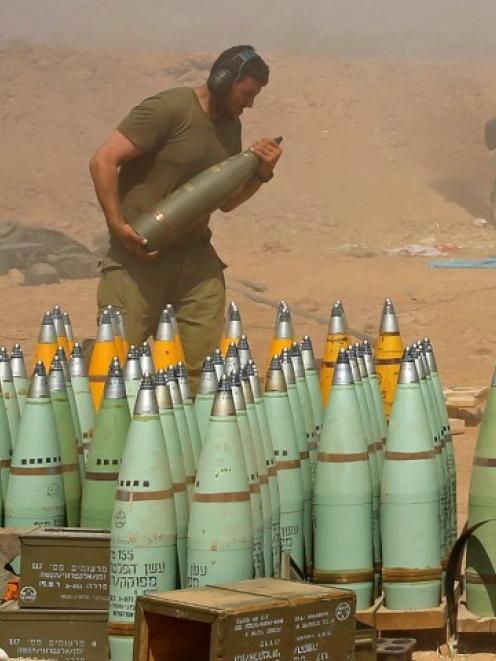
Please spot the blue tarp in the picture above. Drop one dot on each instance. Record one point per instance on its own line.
(485, 263)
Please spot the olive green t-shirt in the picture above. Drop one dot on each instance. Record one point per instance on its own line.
(178, 140)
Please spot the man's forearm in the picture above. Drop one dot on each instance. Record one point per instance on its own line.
(249, 189)
(105, 180)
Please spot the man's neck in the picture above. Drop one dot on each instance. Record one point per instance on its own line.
(205, 99)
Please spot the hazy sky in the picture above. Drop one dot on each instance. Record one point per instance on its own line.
(446, 28)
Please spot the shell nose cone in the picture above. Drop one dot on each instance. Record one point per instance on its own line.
(58, 321)
(297, 360)
(38, 388)
(160, 378)
(284, 325)
(368, 358)
(232, 351)
(47, 333)
(182, 378)
(5, 366)
(237, 390)
(233, 312)
(217, 357)
(429, 354)
(145, 349)
(175, 391)
(251, 368)
(343, 375)
(235, 379)
(105, 332)
(77, 351)
(355, 371)
(247, 387)
(170, 309)
(60, 353)
(208, 365)
(181, 371)
(287, 366)
(232, 364)
(408, 370)
(39, 369)
(133, 352)
(307, 353)
(275, 381)
(361, 366)
(337, 323)
(295, 349)
(16, 351)
(132, 369)
(77, 364)
(114, 384)
(56, 364)
(56, 379)
(223, 405)
(389, 321)
(146, 400)
(17, 362)
(367, 349)
(243, 343)
(417, 355)
(147, 382)
(208, 378)
(165, 330)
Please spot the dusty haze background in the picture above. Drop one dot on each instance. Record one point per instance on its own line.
(378, 28)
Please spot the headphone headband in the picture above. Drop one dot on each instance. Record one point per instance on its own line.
(225, 75)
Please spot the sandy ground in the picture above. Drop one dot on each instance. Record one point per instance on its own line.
(377, 155)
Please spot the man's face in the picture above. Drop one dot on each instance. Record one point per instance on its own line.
(241, 95)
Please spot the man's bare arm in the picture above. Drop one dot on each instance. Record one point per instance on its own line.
(104, 167)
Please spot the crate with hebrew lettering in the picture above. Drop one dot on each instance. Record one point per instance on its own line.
(65, 635)
(65, 568)
(258, 619)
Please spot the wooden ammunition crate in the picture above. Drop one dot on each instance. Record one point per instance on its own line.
(365, 642)
(475, 634)
(428, 627)
(260, 619)
(53, 634)
(65, 568)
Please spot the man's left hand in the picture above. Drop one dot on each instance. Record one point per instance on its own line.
(269, 153)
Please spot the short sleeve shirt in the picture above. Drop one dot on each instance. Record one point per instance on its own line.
(178, 140)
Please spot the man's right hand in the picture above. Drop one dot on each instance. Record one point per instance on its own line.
(132, 241)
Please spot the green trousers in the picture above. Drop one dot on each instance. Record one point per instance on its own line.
(192, 280)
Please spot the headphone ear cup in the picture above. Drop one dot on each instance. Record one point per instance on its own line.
(220, 81)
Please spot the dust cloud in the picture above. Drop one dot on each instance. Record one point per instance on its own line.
(344, 28)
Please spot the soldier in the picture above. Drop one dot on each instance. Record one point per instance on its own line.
(162, 143)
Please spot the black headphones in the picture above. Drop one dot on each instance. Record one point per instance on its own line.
(227, 73)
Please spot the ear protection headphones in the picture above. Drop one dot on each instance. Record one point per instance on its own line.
(221, 79)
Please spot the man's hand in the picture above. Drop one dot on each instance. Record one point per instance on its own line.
(104, 166)
(269, 153)
(132, 241)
